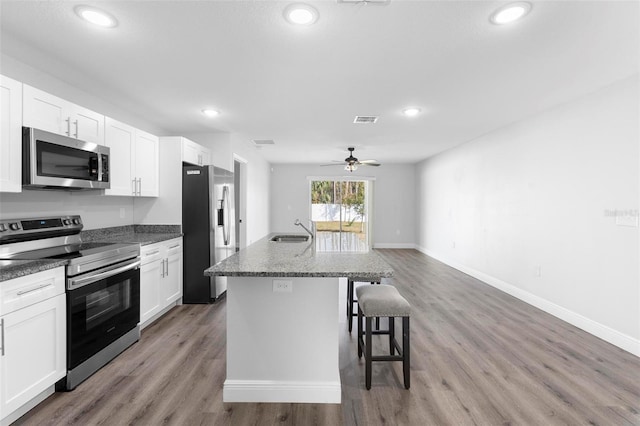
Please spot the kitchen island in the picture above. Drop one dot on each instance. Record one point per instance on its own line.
(282, 319)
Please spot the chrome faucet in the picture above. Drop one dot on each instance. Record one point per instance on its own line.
(313, 226)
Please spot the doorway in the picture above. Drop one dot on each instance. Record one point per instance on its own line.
(240, 193)
(340, 210)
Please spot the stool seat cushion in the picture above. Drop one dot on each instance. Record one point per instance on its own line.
(382, 301)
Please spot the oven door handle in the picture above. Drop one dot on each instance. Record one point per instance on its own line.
(79, 282)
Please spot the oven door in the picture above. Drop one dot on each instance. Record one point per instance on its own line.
(105, 308)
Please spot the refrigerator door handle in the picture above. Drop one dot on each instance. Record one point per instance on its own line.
(225, 212)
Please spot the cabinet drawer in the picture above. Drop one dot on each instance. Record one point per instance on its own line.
(25, 291)
(173, 246)
(151, 252)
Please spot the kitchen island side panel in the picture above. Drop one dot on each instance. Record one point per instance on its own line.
(282, 346)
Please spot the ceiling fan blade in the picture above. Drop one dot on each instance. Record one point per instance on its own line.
(341, 163)
(369, 162)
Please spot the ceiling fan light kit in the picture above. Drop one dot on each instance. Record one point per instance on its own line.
(351, 163)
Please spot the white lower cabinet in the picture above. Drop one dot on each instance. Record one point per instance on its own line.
(160, 279)
(32, 339)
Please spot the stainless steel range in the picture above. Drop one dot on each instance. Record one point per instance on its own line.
(102, 286)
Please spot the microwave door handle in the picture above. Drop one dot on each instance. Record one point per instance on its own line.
(99, 168)
(79, 282)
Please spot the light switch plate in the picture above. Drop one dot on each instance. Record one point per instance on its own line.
(627, 220)
(282, 286)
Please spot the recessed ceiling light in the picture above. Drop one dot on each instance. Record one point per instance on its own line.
(300, 14)
(511, 12)
(411, 112)
(96, 16)
(210, 112)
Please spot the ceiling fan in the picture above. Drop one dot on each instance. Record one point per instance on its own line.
(351, 163)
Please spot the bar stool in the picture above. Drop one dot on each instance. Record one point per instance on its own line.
(377, 301)
(351, 300)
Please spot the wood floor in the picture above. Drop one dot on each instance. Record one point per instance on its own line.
(478, 357)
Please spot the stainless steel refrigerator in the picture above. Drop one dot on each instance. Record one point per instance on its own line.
(208, 225)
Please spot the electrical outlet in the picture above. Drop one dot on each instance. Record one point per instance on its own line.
(453, 244)
(537, 271)
(282, 286)
(122, 212)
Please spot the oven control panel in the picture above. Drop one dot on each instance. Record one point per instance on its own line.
(13, 230)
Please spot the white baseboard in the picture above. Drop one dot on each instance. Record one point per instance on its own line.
(395, 245)
(604, 332)
(282, 391)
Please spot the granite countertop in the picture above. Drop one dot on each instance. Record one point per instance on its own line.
(266, 258)
(142, 238)
(140, 234)
(10, 269)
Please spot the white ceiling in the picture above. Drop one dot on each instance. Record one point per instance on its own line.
(302, 87)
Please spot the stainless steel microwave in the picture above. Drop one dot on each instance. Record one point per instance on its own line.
(51, 161)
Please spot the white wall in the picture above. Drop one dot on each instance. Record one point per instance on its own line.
(531, 199)
(258, 180)
(97, 211)
(394, 204)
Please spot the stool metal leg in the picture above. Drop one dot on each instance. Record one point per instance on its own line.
(350, 304)
(367, 356)
(392, 335)
(360, 334)
(405, 352)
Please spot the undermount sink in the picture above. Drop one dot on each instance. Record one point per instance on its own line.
(290, 238)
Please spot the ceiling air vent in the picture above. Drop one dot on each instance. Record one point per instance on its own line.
(365, 119)
(263, 142)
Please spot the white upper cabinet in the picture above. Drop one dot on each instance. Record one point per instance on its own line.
(120, 138)
(195, 154)
(146, 158)
(53, 114)
(134, 160)
(10, 135)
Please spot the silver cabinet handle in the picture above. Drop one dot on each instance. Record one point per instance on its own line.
(152, 253)
(2, 336)
(41, 286)
(133, 186)
(176, 246)
(76, 123)
(68, 120)
(166, 262)
(139, 187)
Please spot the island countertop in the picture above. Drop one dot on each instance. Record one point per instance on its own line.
(266, 258)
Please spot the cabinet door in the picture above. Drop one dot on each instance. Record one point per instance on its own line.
(86, 125)
(10, 135)
(146, 163)
(150, 276)
(34, 352)
(120, 138)
(191, 152)
(172, 282)
(205, 155)
(44, 111)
